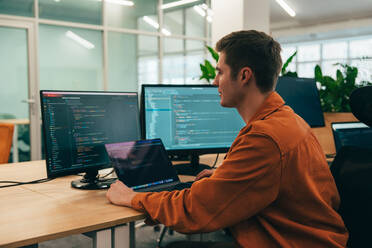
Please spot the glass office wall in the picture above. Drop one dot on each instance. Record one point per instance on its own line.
(103, 45)
(70, 58)
(14, 87)
(17, 7)
(82, 11)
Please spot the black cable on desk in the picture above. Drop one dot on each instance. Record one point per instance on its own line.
(215, 162)
(16, 183)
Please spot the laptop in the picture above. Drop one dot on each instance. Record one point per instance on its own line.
(351, 134)
(144, 166)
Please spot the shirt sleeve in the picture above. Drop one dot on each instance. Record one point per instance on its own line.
(247, 181)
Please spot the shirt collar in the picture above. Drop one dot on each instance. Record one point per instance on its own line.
(272, 103)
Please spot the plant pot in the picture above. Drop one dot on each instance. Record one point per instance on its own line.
(325, 135)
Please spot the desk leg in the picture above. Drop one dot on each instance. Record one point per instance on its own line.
(101, 239)
(124, 236)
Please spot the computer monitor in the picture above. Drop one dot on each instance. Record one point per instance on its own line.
(302, 95)
(77, 125)
(190, 121)
(351, 134)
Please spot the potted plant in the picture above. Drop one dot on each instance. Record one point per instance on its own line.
(334, 96)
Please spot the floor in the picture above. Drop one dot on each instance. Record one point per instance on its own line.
(146, 237)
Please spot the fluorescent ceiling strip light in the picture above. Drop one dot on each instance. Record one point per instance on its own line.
(166, 32)
(199, 10)
(204, 6)
(177, 3)
(286, 7)
(209, 19)
(121, 2)
(79, 40)
(151, 22)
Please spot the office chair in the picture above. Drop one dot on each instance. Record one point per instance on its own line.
(352, 171)
(6, 136)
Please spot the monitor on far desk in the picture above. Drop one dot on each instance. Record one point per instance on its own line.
(351, 134)
(302, 95)
(190, 121)
(77, 125)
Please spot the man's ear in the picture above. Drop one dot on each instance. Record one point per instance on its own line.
(246, 74)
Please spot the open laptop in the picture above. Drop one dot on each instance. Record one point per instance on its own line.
(144, 166)
(351, 134)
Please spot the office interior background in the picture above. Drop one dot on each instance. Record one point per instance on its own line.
(117, 45)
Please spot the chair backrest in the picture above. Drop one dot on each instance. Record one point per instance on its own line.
(352, 170)
(6, 137)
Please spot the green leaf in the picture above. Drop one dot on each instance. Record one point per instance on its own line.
(213, 53)
(318, 74)
(290, 74)
(289, 60)
(339, 76)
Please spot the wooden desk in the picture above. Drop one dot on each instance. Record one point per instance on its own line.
(31, 214)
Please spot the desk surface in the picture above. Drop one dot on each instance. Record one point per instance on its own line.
(16, 121)
(34, 213)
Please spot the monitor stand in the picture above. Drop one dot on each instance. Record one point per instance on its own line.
(91, 180)
(193, 168)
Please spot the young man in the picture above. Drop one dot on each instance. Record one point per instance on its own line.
(274, 188)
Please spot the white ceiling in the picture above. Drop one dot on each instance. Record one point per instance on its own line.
(314, 12)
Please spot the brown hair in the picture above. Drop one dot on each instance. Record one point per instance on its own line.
(256, 50)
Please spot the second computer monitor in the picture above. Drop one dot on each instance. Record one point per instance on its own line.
(302, 95)
(189, 118)
(77, 125)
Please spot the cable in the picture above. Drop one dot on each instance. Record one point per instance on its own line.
(16, 183)
(112, 171)
(215, 162)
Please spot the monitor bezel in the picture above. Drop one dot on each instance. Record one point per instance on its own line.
(181, 152)
(311, 80)
(74, 171)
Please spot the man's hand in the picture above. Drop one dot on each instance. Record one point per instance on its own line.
(120, 194)
(204, 173)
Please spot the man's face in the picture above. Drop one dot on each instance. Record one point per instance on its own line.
(229, 89)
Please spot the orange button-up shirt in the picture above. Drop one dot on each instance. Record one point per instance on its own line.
(274, 188)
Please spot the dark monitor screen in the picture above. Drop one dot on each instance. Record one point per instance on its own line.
(188, 118)
(351, 134)
(302, 95)
(77, 125)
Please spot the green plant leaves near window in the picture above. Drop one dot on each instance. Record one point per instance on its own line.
(284, 71)
(334, 93)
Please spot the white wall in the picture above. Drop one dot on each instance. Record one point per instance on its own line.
(234, 15)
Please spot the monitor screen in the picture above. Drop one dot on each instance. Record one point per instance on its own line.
(77, 125)
(188, 118)
(351, 134)
(302, 95)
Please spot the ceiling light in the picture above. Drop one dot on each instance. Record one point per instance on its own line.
(209, 19)
(285, 6)
(57, 1)
(204, 6)
(199, 10)
(177, 3)
(166, 32)
(79, 40)
(151, 22)
(121, 2)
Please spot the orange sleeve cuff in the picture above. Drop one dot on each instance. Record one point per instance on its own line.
(136, 202)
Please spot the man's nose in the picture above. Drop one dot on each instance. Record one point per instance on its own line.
(215, 82)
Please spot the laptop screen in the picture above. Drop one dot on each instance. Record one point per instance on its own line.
(141, 164)
(351, 134)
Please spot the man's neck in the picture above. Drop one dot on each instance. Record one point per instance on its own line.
(250, 105)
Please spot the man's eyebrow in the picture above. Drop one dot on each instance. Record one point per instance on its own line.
(218, 68)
